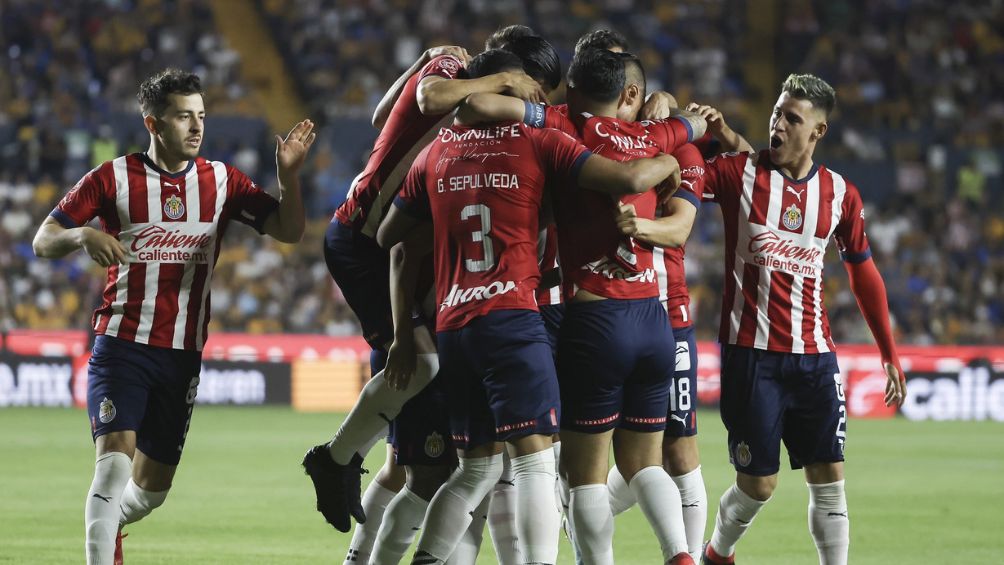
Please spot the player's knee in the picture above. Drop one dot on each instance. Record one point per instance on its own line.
(757, 488)
(425, 480)
(120, 442)
(391, 476)
(679, 455)
(478, 475)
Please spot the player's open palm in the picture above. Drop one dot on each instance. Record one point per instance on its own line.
(401, 361)
(522, 86)
(290, 152)
(104, 249)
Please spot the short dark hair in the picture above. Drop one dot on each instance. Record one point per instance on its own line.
(506, 34)
(601, 39)
(153, 92)
(540, 60)
(493, 61)
(597, 74)
(811, 88)
(633, 70)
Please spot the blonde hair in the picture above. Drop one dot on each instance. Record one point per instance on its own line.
(811, 88)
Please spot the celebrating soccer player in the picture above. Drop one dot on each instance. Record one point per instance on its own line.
(163, 214)
(780, 380)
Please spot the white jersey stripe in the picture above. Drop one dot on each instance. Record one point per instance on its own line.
(661, 276)
(808, 238)
(797, 312)
(122, 207)
(739, 265)
(220, 172)
(151, 286)
(817, 307)
(193, 204)
(763, 297)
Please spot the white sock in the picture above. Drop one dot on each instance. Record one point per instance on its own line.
(137, 502)
(621, 497)
(694, 499)
(101, 510)
(466, 552)
(537, 519)
(401, 521)
(449, 512)
(502, 517)
(828, 522)
(736, 511)
(376, 406)
(375, 501)
(565, 496)
(659, 500)
(589, 510)
(558, 500)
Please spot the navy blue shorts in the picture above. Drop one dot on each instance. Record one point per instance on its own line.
(615, 365)
(500, 378)
(769, 397)
(150, 390)
(361, 268)
(683, 394)
(552, 314)
(420, 434)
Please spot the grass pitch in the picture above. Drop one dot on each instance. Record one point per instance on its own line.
(928, 492)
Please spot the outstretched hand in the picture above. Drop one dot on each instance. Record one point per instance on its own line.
(895, 386)
(291, 152)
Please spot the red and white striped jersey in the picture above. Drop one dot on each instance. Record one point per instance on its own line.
(776, 233)
(547, 252)
(669, 268)
(405, 134)
(171, 226)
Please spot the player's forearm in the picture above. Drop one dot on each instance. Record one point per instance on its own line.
(403, 281)
(390, 97)
(731, 141)
(698, 125)
(54, 241)
(490, 107)
(290, 214)
(437, 97)
(663, 232)
(643, 174)
(869, 290)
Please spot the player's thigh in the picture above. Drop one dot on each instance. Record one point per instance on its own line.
(682, 415)
(170, 405)
(517, 371)
(815, 426)
(361, 268)
(585, 457)
(648, 387)
(595, 356)
(150, 474)
(753, 403)
(118, 386)
(633, 451)
(425, 480)
(420, 435)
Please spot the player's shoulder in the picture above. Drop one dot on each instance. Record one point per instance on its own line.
(736, 159)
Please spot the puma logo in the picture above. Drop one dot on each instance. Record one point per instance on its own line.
(105, 498)
(798, 194)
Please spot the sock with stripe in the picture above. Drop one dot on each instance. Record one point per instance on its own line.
(375, 501)
(694, 498)
(828, 522)
(736, 511)
(102, 507)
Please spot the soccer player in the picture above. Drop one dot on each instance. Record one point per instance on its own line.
(668, 234)
(360, 268)
(163, 214)
(780, 380)
(482, 188)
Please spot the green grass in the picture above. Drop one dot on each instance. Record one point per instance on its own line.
(918, 492)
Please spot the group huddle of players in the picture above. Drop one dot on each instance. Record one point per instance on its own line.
(517, 268)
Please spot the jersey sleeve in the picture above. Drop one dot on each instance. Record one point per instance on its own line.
(691, 174)
(560, 154)
(413, 199)
(669, 134)
(249, 204)
(850, 231)
(540, 115)
(445, 66)
(86, 199)
(723, 177)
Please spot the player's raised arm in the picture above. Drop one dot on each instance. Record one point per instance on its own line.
(633, 177)
(390, 97)
(286, 224)
(696, 122)
(489, 107)
(729, 139)
(437, 95)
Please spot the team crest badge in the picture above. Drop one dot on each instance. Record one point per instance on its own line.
(434, 445)
(792, 218)
(174, 208)
(743, 455)
(106, 411)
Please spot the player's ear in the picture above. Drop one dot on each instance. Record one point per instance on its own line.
(819, 131)
(150, 122)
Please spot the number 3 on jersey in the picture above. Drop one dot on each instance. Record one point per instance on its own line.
(481, 235)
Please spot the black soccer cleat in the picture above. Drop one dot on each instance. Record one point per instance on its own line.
(337, 487)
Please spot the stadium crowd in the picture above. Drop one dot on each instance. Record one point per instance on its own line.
(68, 69)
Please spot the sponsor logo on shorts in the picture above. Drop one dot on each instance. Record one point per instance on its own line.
(682, 356)
(459, 295)
(598, 421)
(631, 420)
(106, 411)
(434, 445)
(743, 455)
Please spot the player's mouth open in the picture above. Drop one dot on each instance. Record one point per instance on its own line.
(193, 140)
(775, 142)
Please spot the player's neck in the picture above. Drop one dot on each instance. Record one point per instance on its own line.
(595, 109)
(798, 169)
(163, 159)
